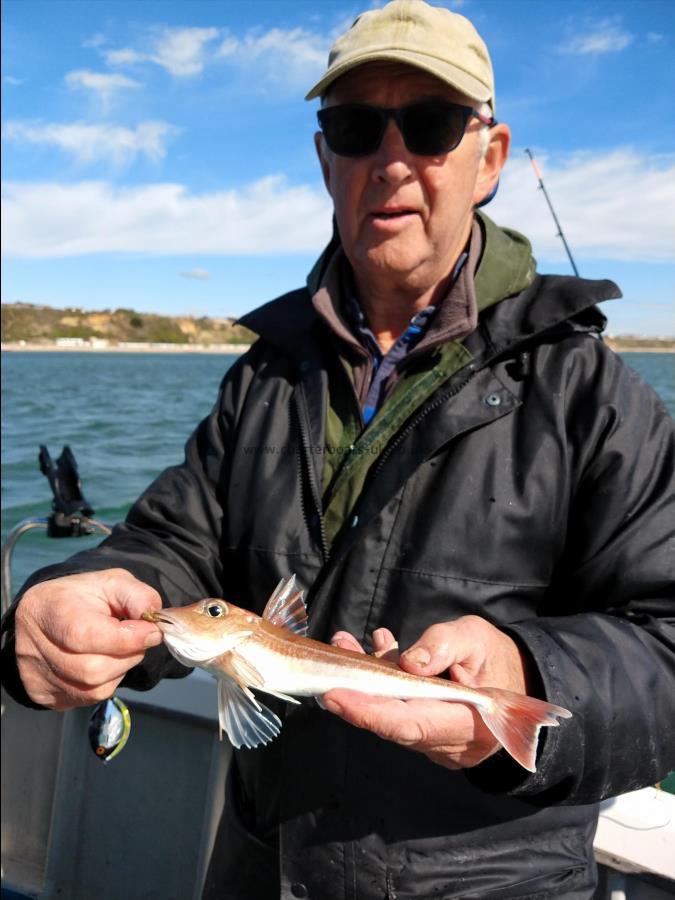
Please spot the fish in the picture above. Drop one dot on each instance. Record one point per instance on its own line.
(273, 654)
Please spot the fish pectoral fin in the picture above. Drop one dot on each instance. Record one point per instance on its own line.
(286, 607)
(246, 722)
(243, 672)
(281, 696)
(246, 675)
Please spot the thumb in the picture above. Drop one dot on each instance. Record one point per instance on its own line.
(438, 648)
(129, 597)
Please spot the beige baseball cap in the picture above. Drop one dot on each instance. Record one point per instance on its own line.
(431, 38)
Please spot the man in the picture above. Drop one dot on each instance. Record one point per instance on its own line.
(432, 437)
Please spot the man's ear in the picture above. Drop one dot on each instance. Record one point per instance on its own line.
(320, 146)
(492, 163)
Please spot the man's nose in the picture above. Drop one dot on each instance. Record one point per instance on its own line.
(392, 161)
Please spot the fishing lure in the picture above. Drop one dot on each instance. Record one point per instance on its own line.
(109, 729)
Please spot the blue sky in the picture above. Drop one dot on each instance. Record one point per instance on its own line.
(158, 154)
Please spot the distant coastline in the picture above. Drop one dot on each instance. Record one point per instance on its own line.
(629, 345)
(30, 328)
(122, 347)
(33, 328)
(640, 345)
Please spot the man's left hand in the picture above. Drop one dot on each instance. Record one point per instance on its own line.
(474, 653)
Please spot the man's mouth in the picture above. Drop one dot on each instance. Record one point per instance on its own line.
(393, 213)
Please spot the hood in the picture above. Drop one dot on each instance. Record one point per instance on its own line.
(506, 266)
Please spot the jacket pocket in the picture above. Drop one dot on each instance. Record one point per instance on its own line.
(556, 864)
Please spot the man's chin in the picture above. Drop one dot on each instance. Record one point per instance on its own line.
(392, 258)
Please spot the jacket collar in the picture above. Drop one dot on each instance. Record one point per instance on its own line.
(286, 322)
(553, 304)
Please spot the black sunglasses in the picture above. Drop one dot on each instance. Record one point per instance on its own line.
(429, 128)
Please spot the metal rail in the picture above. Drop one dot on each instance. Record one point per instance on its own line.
(86, 526)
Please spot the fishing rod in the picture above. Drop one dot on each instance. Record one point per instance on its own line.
(550, 206)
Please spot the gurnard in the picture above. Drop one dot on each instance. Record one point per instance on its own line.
(272, 653)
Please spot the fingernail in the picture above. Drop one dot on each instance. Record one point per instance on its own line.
(379, 635)
(152, 640)
(333, 707)
(419, 656)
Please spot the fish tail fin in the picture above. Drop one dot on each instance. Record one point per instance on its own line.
(515, 720)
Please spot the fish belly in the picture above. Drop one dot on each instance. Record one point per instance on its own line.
(312, 677)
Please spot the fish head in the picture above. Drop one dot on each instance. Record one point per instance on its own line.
(202, 631)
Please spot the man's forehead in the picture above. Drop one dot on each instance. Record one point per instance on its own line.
(363, 83)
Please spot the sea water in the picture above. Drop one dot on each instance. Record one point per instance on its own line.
(125, 416)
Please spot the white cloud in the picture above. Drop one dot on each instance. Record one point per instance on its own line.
(280, 56)
(296, 45)
(617, 205)
(606, 36)
(125, 57)
(101, 83)
(287, 56)
(654, 37)
(44, 220)
(10, 79)
(96, 40)
(94, 143)
(181, 51)
(197, 274)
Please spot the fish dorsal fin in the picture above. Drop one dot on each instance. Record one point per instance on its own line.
(286, 607)
(246, 722)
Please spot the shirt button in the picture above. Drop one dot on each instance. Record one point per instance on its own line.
(298, 889)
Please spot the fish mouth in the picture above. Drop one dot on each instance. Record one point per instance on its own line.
(157, 617)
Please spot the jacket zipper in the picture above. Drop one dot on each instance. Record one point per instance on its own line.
(439, 401)
(314, 488)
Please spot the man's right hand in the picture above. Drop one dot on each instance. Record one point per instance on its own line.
(77, 636)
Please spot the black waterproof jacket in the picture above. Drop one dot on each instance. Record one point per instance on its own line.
(531, 489)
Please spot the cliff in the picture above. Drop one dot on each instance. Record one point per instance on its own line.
(44, 324)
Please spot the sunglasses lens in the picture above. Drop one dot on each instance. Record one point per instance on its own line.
(352, 130)
(430, 129)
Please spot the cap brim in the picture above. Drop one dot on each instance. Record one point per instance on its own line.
(457, 78)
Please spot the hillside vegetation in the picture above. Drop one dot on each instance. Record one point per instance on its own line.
(36, 324)
(44, 324)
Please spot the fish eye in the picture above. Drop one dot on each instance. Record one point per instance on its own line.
(214, 610)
